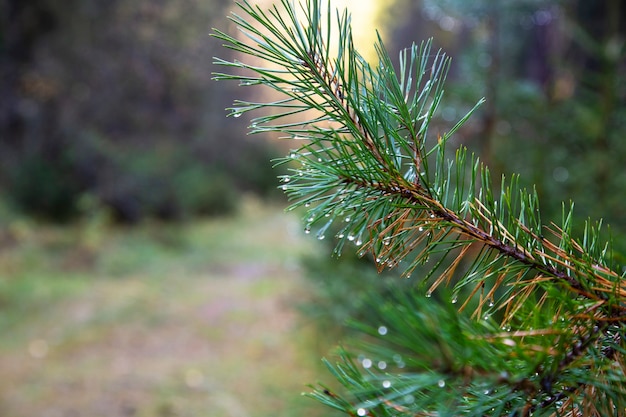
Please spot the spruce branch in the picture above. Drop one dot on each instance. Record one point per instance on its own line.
(366, 166)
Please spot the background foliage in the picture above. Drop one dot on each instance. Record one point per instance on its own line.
(113, 102)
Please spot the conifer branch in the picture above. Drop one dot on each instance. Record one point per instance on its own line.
(367, 170)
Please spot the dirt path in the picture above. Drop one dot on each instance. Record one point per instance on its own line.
(192, 322)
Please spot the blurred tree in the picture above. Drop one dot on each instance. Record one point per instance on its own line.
(89, 89)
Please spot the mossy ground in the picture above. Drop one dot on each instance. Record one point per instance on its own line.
(157, 320)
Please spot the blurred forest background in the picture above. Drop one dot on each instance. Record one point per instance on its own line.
(111, 104)
(108, 108)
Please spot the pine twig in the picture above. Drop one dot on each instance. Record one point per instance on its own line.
(367, 169)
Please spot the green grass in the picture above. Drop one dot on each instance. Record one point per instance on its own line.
(158, 320)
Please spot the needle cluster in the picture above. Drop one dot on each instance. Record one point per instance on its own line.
(533, 317)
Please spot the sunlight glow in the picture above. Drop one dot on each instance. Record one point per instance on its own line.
(364, 23)
(364, 15)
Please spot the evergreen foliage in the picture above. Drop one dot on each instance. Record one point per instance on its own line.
(110, 103)
(532, 320)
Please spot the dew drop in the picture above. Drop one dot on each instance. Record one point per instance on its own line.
(284, 187)
(386, 384)
(347, 219)
(311, 219)
(382, 330)
(340, 236)
(319, 159)
(455, 300)
(491, 303)
(293, 155)
(307, 230)
(361, 412)
(429, 294)
(321, 237)
(367, 363)
(236, 115)
(421, 229)
(307, 204)
(441, 383)
(286, 178)
(359, 242)
(351, 238)
(382, 365)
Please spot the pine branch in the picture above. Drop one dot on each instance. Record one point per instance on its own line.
(377, 164)
(366, 167)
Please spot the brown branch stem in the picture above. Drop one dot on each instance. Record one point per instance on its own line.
(420, 196)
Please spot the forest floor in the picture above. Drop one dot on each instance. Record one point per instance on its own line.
(158, 320)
